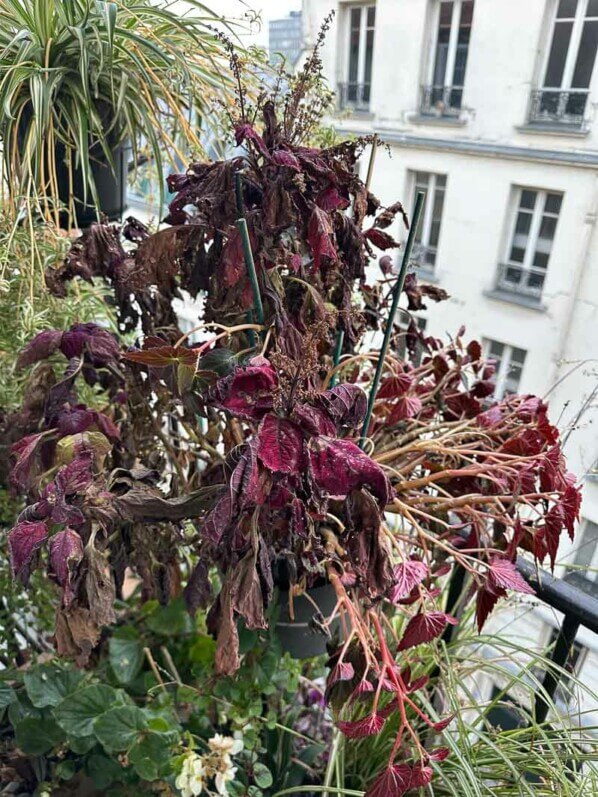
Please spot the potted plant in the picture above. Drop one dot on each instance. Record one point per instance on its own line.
(242, 450)
(89, 87)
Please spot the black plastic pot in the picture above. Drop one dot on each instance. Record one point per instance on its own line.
(110, 181)
(301, 636)
(111, 185)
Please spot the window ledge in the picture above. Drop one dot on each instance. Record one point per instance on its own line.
(516, 298)
(438, 121)
(547, 129)
(352, 113)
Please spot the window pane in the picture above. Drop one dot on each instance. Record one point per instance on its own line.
(440, 180)
(586, 55)
(436, 216)
(518, 355)
(566, 8)
(462, 44)
(371, 16)
(528, 199)
(547, 229)
(553, 203)
(558, 54)
(354, 44)
(442, 43)
(584, 553)
(592, 9)
(369, 54)
(524, 222)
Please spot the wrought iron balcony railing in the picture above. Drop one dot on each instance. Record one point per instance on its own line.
(577, 606)
(354, 96)
(523, 281)
(441, 100)
(557, 107)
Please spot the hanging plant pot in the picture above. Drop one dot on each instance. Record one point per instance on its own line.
(110, 182)
(302, 635)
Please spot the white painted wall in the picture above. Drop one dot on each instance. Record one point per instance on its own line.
(506, 60)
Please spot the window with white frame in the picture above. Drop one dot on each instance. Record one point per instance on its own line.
(585, 553)
(356, 91)
(530, 242)
(508, 363)
(444, 92)
(428, 232)
(569, 64)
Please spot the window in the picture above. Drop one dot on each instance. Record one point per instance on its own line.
(428, 231)
(570, 63)
(355, 93)
(530, 243)
(445, 93)
(508, 362)
(584, 573)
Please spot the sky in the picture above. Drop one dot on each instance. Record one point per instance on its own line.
(269, 9)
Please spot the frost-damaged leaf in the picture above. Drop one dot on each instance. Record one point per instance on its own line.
(408, 575)
(246, 132)
(367, 726)
(26, 465)
(23, 541)
(40, 347)
(339, 466)
(395, 386)
(280, 445)
(248, 392)
(381, 240)
(284, 158)
(345, 404)
(425, 627)
(66, 551)
(99, 344)
(319, 236)
(503, 574)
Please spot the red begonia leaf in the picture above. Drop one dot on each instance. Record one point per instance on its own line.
(491, 417)
(424, 628)
(280, 445)
(343, 671)
(406, 407)
(443, 723)
(339, 466)
(393, 782)
(439, 754)
(23, 541)
(66, 551)
(486, 601)
(504, 575)
(319, 236)
(395, 386)
(367, 726)
(407, 575)
(421, 775)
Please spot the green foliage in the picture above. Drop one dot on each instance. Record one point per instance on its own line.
(86, 74)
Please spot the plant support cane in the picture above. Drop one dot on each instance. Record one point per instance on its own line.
(419, 202)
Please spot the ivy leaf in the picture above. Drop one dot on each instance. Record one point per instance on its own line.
(37, 735)
(77, 712)
(48, 686)
(425, 627)
(126, 654)
(119, 727)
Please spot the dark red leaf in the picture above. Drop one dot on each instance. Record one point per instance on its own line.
(248, 392)
(99, 344)
(66, 551)
(407, 575)
(439, 754)
(40, 347)
(406, 407)
(280, 445)
(382, 240)
(245, 132)
(395, 386)
(504, 575)
(23, 541)
(393, 782)
(443, 723)
(367, 726)
(339, 466)
(486, 601)
(346, 405)
(26, 465)
(319, 235)
(424, 628)
(285, 158)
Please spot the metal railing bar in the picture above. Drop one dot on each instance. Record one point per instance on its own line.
(560, 656)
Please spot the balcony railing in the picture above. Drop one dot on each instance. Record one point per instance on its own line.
(577, 606)
(523, 281)
(354, 96)
(557, 107)
(441, 101)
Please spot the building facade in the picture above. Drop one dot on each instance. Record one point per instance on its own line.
(285, 38)
(490, 108)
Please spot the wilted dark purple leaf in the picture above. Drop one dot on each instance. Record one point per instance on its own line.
(280, 445)
(40, 347)
(23, 541)
(66, 551)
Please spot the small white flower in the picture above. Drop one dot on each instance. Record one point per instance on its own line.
(225, 745)
(224, 777)
(190, 781)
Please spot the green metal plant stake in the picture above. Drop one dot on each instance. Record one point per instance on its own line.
(398, 287)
